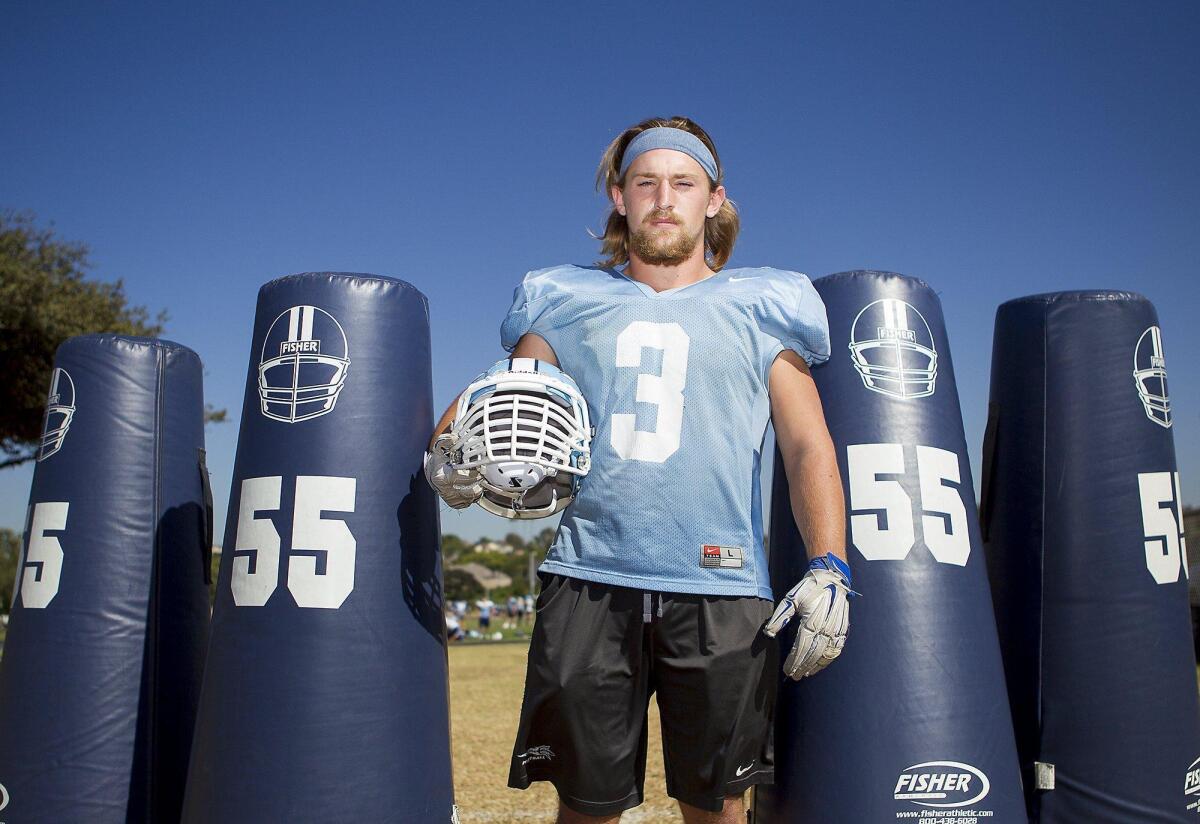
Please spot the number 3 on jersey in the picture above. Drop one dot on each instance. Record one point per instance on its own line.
(664, 390)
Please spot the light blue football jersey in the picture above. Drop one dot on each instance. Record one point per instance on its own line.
(676, 386)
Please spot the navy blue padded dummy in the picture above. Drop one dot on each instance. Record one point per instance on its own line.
(102, 664)
(1082, 519)
(912, 720)
(325, 696)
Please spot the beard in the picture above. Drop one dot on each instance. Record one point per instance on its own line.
(663, 247)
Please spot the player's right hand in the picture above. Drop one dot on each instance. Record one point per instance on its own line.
(458, 487)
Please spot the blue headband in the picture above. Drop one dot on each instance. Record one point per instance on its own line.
(666, 137)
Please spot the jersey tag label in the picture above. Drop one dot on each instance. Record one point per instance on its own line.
(720, 557)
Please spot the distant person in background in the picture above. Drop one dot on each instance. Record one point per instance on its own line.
(454, 630)
(485, 613)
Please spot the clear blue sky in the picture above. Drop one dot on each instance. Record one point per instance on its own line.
(995, 150)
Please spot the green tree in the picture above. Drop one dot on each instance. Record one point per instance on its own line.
(45, 298)
(511, 565)
(10, 553)
(460, 586)
(541, 542)
(453, 547)
(214, 566)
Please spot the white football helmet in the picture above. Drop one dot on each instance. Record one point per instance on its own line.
(1150, 376)
(303, 365)
(892, 349)
(60, 409)
(524, 426)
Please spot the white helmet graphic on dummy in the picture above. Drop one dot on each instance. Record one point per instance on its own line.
(892, 349)
(60, 408)
(303, 365)
(1150, 376)
(519, 444)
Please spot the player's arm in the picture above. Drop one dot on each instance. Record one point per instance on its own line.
(808, 457)
(444, 423)
(821, 599)
(534, 346)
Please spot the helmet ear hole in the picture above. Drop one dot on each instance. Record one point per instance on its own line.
(524, 425)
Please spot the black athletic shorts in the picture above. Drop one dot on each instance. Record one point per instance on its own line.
(600, 651)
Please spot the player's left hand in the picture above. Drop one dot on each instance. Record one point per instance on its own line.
(822, 601)
(458, 487)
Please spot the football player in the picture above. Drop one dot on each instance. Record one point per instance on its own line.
(657, 580)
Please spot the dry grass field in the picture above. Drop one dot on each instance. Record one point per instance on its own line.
(486, 682)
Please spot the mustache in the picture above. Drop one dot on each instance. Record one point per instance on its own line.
(660, 215)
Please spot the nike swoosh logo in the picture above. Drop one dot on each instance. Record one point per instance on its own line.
(743, 770)
(736, 280)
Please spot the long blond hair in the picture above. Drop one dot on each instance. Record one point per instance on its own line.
(720, 231)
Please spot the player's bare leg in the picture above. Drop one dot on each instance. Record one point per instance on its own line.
(734, 812)
(569, 816)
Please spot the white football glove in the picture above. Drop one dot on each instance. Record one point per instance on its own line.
(458, 487)
(822, 601)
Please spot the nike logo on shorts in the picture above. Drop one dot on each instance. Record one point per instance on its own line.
(743, 770)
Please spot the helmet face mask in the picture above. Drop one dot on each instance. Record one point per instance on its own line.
(892, 349)
(524, 425)
(1150, 377)
(60, 409)
(303, 366)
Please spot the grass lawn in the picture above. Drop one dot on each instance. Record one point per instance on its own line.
(486, 684)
